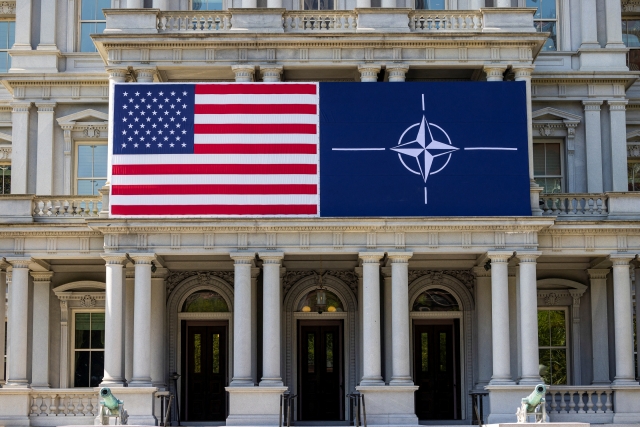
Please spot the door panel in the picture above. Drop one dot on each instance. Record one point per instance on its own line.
(320, 371)
(205, 359)
(436, 372)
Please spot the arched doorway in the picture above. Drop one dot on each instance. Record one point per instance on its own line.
(200, 335)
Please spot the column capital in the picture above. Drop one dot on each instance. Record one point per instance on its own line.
(397, 72)
(617, 104)
(399, 257)
(146, 75)
(592, 105)
(621, 259)
(271, 73)
(369, 72)
(271, 257)
(42, 276)
(370, 257)
(597, 273)
(20, 262)
(523, 71)
(46, 107)
(481, 272)
(111, 259)
(243, 257)
(495, 72)
(526, 256)
(146, 258)
(244, 72)
(499, 256)
(20, 107)
(119, 75)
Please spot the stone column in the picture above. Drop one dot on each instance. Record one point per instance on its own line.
(523, 74)
(371, 351)
(24, 11)
(623, 320)
(20, 147)
(244, 73)
(271, 73)
(387, 294)
(17, 324)
(242, 317)
(500, 318)
(503, 3)
(114, 309)
(589, 24)
(363, 3)
(388, 3)
(397, 72)
(116, 75)
(271, 312)
(44, 162)
(3, 314)
(400, 318)
(142, 321)
(40, 326)
(618, 128)
(359, 341)
(130, 296)
(249, 4)
(593, 138)
(483, 319)
(274, 4)
(368, 72)
(47, 26)
(161, 4)
(254, 324)
(146, 75)
(528, 305)
(135, 4)
(599, 326)
(613, 11)
(476, 4)
(495, 73)
(157, 328)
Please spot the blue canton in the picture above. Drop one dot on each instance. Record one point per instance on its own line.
(153, 119)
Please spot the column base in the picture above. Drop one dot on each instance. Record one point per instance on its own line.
(254, 406)
(242, 382)
(625, 381)
(401, 381)
(112, 382)
(140, 382)
(16, 384)
(502, 381)
(271, 382)
(530, 381)
(390, 405)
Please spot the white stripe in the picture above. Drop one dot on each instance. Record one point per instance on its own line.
(217, 199)
(256, 99)
(491, 148)
(256, 139)
(212, 179)
(214, 159)
(256, 118)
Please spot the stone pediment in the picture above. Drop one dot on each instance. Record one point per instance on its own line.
(550, 114)
(84, 116)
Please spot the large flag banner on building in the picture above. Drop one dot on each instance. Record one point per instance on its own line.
(319, 149)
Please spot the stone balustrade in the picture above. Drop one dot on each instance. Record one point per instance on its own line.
(196, 21)
(580, 403)
(575, 205)
(66, 207)
(322, 20)
(441, 21)
(47, 406)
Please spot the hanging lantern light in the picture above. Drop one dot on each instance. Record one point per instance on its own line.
(321, 296)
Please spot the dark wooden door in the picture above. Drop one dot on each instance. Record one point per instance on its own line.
(205, 360)
(436, 372)
(320, 372)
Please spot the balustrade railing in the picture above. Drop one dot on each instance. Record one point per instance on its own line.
(320, 20)
(67, 206)
(567, 403)
(574, 204)
(64, 403)
(205, 21)
(432, 21)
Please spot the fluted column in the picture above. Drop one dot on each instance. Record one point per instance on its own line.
(528, 307)
(40, 334)
(20, 148)
(618, 133)
(500, 318)
(400, 318)
(387, 294)
(371, 351)
(593, 137)
(271, 312)
(244, 73)
(142, 321)
(495, 73)
(3, 314)
(271, 73)
(44, 159)
(114, 321)
(623, 320)
(599, 326)
(242, 316)
(158, 318)
(483, 319)
(146, 75)
(17, 323)
(116, 75)
(369, 72)
(589, 24)
(397, 72)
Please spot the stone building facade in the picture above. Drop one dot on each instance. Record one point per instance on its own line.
(415, 313)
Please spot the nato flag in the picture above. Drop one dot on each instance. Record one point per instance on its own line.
(423, 149)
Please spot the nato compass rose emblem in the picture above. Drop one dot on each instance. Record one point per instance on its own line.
(428, 153)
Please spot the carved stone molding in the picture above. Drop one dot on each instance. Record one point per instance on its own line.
(633, 150)
(292, 277)
(204, 277)
(550, 299)
(92, 131)
(8, 8)
(465, 276)
(631, 5)
(88, 301)
(5, 153)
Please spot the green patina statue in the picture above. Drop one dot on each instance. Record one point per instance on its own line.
(534, 404)
(110, 406)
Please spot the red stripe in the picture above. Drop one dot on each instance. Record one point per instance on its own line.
(254, 129)
(255, 149)
(256, 109)
(270, 169)
(214, 209)
(255, 89)
(135, 190)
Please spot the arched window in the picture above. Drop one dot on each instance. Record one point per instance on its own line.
(435, 300)
(205, 302)
(309, 302)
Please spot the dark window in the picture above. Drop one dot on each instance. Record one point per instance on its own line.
(89, 349)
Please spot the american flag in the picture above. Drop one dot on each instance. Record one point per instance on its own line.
(217, 149)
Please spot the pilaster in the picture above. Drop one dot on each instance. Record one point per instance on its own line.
(48, 26)
(20, 148)
(618, 126)
(116, 75)
(40, 334)
(599, 325)
(44, 160)
(24, 12)
(593, 137)
(158, 321)
(3, 315)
